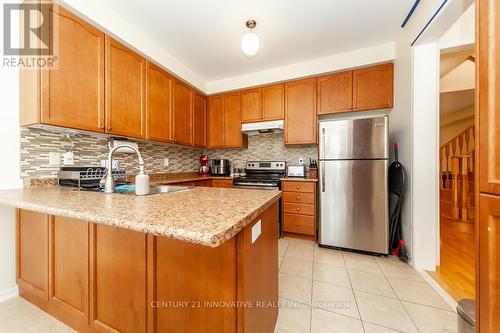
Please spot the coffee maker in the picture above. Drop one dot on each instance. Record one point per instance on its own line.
(204, 168)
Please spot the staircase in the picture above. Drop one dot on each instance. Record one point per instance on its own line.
(456, 167)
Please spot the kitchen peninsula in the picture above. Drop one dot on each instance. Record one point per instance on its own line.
(199, 260)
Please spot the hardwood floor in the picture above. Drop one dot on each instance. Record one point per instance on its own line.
(456, 274)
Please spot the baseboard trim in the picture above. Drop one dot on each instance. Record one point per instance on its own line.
(440, 290)
(9, 293)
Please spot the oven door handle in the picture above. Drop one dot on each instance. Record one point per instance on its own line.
(254, 187)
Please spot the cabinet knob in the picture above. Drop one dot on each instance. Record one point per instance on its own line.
(298, 224)
(109, 128)
(297, 197)
(297, 187)
(298, 208)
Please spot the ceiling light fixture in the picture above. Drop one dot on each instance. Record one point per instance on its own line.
(250, 42)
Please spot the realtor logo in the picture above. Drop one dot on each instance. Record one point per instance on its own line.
(30, 35)
(34, 29)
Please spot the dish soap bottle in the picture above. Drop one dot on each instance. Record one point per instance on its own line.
(141, 183)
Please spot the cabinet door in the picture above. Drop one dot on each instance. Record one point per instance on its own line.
(250, 105)
(33, 256)
(232, 120)
(183, 113)
(73, 92)
(118, 295)
(273, 102)
(69, 271)
(125, 91)
(215, 128)
(159, 104)
(300, 112)
(199, 121)
(335, 93)
(373, 87)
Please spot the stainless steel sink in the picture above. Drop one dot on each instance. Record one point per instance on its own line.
(156, 189)
(130, 189)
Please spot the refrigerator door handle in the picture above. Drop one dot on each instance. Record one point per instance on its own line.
(323, 139)
(322, 176)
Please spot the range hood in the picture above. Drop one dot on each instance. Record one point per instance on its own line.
(275, 126)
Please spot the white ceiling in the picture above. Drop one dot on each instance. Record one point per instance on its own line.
(205, 35)
(455, 101)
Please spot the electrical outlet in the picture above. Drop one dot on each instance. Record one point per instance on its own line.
(166, 162)
(68, 158)
(54, 159)
(301, 160)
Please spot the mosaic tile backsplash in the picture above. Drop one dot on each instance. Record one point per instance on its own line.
(88, 149)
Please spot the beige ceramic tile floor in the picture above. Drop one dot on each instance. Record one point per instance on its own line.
(324, 290)
(321, 290)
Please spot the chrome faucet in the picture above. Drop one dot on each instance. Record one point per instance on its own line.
(110, 181)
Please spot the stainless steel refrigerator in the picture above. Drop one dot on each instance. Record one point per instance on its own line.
(354, 158)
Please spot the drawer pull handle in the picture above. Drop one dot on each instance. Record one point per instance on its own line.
(297, 187)
(298, 208)
(297, 197)
(297, 224)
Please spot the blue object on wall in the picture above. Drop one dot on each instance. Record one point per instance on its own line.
(410, 13)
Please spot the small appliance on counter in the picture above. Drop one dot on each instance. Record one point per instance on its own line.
(220, 167)
(296, 171)
(204, 168)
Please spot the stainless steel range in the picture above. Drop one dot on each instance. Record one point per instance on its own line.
(264, 175)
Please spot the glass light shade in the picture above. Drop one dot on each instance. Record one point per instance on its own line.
(250, 44)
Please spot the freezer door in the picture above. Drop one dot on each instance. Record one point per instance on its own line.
(354, 205)
(354, 138)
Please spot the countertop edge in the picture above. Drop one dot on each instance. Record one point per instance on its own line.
(173, 233)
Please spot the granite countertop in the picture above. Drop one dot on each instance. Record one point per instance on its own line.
(299, 179)
(201, 215)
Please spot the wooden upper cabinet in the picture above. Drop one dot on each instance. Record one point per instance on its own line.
(215, 121)
(125, 91)
(159, 104)
(199, 120)
(251, 106)
(233, 136)
(72, 94)
(373, 87)
(335, 93)
(300, 112)
(273, 102)
(183, 114)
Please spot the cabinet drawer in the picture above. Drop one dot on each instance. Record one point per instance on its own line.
(296, 197)
(305, 187)
(299, 224)
(295, 208)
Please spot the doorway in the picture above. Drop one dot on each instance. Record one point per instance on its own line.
(456, 270)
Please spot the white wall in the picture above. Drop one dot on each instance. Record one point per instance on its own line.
(462, 32)
(9, 174)
(425, 142)
(337, 62)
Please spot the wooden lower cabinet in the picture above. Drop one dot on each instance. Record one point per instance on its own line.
(298, 209)
(226, 183)
(97, 278)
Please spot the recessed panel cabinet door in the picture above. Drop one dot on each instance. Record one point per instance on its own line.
(159, 104)
(335, 93)
(273, 102)
(125, 91)
(373, 87)
(215, 126)
(300, 112)
(199, 121)
(250, 105)
(232, 120)
(73, 92)
(33, 256)
(183, 121)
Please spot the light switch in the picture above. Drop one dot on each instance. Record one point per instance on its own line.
(256, 230)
